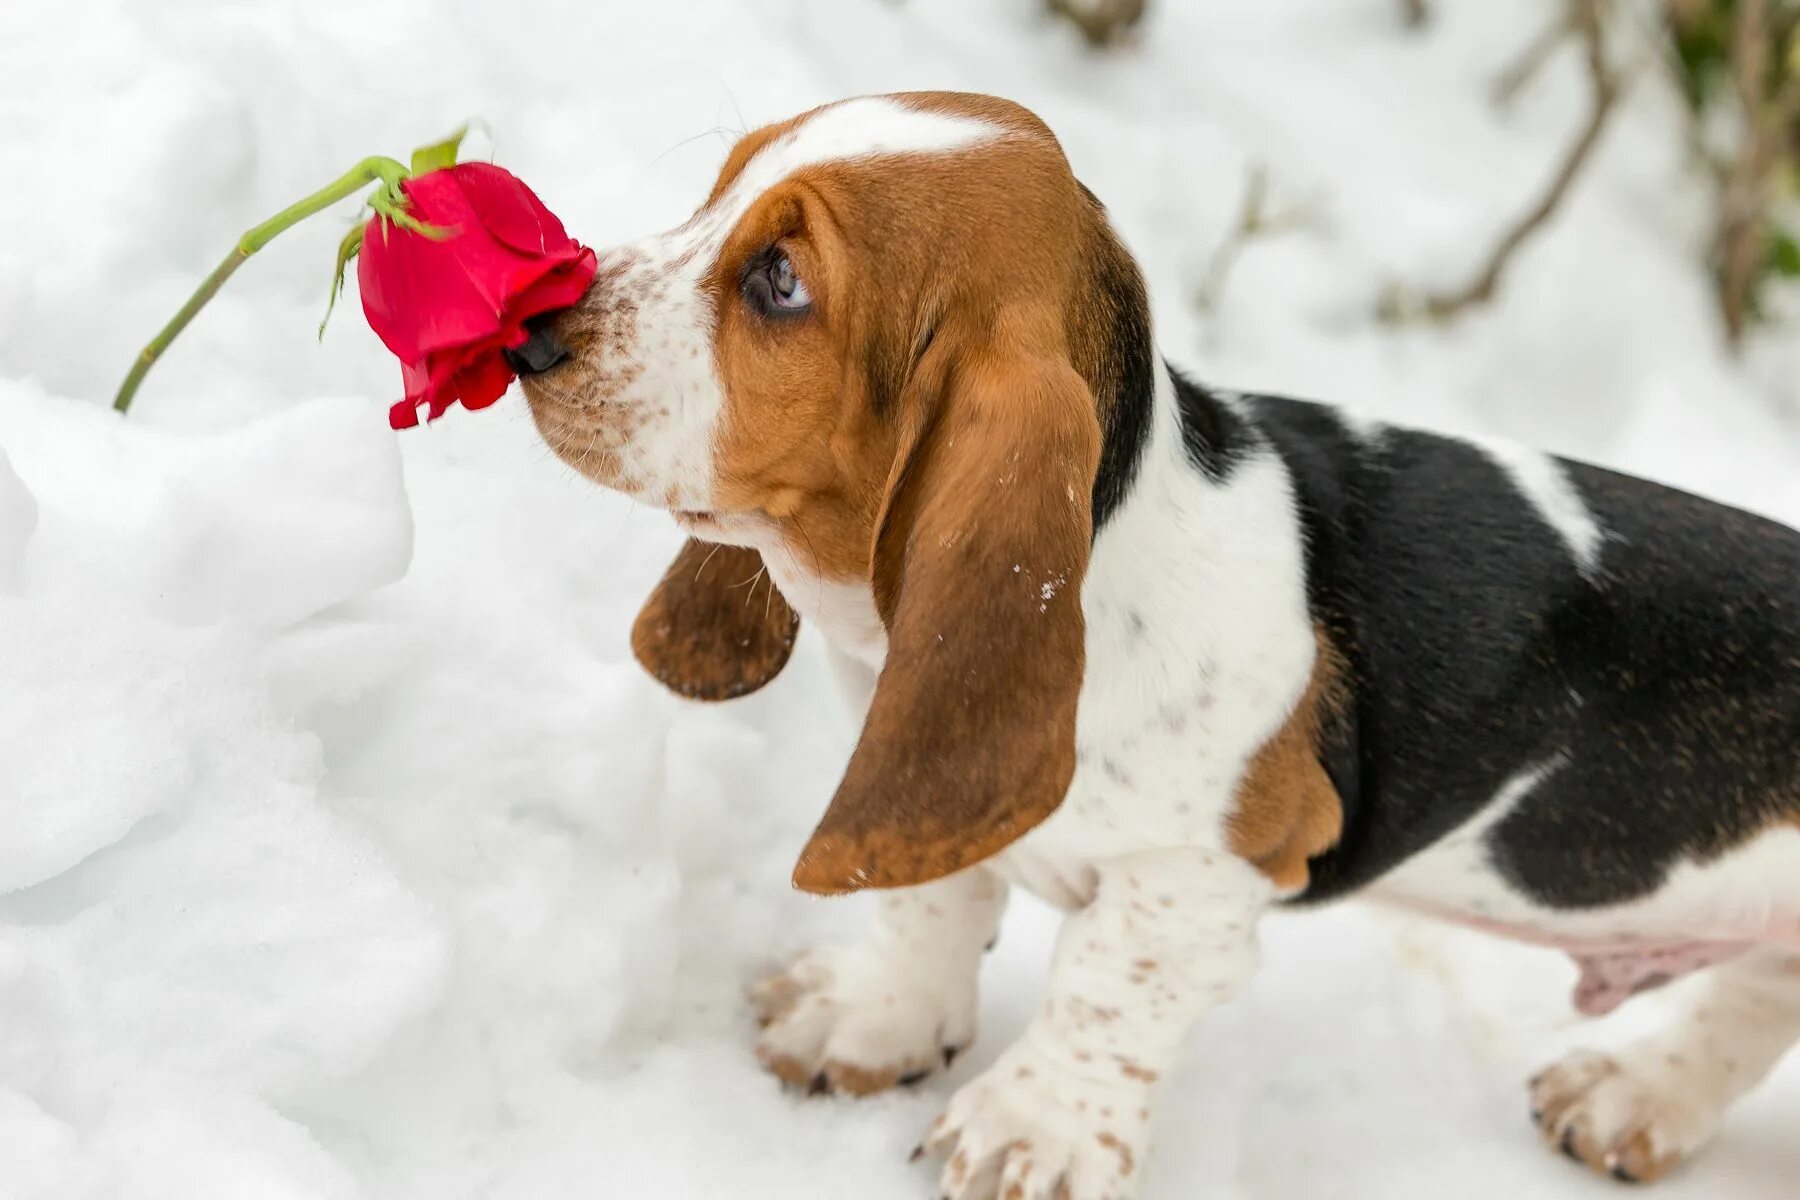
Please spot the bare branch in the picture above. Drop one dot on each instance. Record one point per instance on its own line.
(1519, 73)
(1254, 220)
(1750, 178)
(1102, 22)
(1606, 86)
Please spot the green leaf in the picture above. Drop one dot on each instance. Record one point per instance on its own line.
(1784, 255)
(438, 155)
(1703, 50)
(348, 249)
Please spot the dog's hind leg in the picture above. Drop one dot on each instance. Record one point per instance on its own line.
(1637, 1113)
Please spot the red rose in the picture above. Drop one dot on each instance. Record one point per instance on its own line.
(447, 306)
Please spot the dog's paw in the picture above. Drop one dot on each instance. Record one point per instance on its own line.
(1031, 1129)
(1618, 1121)
(850, 1020)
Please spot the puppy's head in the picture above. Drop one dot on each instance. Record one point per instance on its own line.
(877, 346)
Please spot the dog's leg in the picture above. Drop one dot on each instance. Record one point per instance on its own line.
(861, 1019)
(1065, 1112)
(1637, 1113)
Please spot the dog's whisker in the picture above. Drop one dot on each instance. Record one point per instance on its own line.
(705, 562)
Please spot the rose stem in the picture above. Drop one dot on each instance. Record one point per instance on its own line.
(370, 170)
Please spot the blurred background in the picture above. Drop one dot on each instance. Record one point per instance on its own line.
(343, 850)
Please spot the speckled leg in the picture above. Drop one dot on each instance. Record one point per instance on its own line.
(860, 1019)
(1638, 1113)
(1065, 1113)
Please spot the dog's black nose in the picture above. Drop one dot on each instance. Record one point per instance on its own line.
(539, 352)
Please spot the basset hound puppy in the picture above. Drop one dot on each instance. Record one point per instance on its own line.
(1170, 656)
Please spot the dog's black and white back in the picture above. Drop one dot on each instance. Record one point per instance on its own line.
(1632, 650)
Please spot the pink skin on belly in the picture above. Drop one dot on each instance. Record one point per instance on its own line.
(1611, 977)
(1615, 969)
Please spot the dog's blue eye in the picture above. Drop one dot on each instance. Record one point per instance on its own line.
(785, 285)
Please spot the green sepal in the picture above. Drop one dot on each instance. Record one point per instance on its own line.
(348, 249)
(389, 203)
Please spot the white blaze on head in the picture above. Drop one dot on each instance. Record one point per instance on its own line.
(868, 127)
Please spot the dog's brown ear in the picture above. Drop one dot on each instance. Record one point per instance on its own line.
(715, 628)
(977, 572)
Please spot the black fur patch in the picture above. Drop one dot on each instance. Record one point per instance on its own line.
(1661, 697)
(1130, 361)
(1125, 424)
(1214, 435)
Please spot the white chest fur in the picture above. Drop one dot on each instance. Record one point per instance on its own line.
(1199, 644)
(844, 612)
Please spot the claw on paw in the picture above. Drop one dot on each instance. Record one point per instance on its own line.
(844, 1022)
(1026, 1131)
(1599, 1114)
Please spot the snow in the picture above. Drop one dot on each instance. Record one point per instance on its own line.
(283, 519)
(18, 520)
(347, 854)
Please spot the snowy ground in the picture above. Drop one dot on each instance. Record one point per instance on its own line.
(343, 850)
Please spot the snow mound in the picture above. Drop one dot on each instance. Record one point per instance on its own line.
(18, 517)
(166, 1142)
(283, 518)
(98, 715)
(346, 854)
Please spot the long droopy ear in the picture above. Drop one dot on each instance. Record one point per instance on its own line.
(977, 573)
(715, 628)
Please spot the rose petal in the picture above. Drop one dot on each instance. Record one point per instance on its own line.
(562, 288)
(420, 295)
(483, 381)
(403, 414)
(511, 211)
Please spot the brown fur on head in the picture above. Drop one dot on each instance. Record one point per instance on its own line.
(927, 427)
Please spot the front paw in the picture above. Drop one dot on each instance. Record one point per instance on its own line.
(854, 1021)
(1031, 1128)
